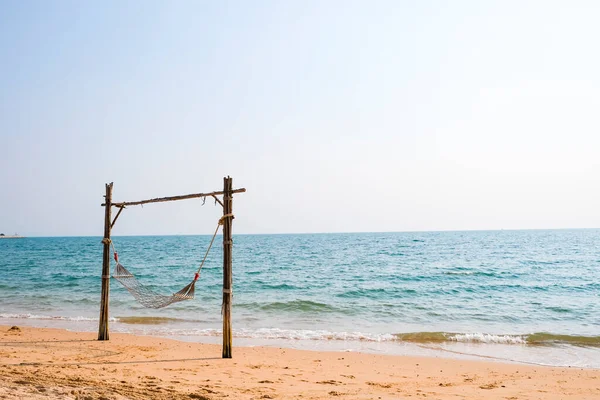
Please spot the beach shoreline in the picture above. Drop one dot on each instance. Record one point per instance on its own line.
(493, 348)
(54, 363)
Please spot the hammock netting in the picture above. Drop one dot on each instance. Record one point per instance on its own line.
(146, 296)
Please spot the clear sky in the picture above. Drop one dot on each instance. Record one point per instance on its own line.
(337, 116)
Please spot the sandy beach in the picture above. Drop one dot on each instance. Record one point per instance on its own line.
(41, 363)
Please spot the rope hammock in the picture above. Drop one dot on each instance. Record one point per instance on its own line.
(148, 297)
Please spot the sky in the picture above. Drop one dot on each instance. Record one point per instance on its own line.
(336, 116)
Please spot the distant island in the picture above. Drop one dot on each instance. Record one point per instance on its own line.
(15, 236)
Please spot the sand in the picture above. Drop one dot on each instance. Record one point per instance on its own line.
(40, 363)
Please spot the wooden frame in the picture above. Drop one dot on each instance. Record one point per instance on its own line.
(226, 204)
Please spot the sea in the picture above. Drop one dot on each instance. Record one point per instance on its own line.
(530, 296)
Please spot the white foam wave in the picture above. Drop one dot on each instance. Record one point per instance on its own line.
(487, 338)
(276, 333)
(281, 334)
(51, 317)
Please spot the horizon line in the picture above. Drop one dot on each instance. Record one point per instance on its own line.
(319, 233)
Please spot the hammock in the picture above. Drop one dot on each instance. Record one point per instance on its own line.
(148, 297)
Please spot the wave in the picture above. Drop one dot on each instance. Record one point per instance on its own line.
(362, 293)
(280, 286)
(540, 338)
(536, 339)
(390, 253)
(428, 337)
(147, 320)
(532, 339)
(294, 305)
(549, 338)
(287, 334)
(52, 317)
(473, 273)
(132, 320)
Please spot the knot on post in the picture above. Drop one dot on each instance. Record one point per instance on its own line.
(106, 241)
(222, 219)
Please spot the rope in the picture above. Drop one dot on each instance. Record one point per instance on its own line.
(221, 221)
(115, 254)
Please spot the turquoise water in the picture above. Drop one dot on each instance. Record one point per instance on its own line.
(527, 296)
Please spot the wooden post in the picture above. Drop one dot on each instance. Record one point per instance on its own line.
(227, 276)
(103, 325)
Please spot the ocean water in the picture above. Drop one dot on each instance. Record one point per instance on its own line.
(518, 296)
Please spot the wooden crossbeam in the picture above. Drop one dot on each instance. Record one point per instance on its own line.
(172, 198)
